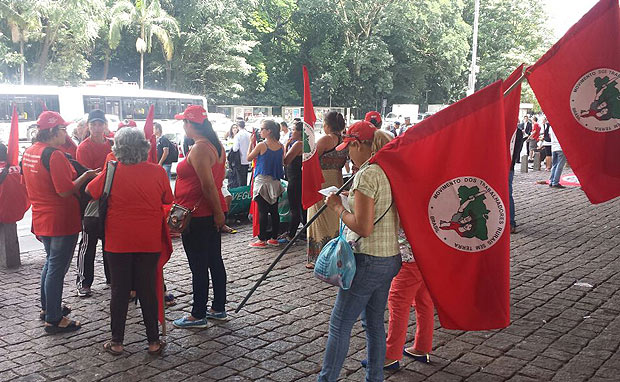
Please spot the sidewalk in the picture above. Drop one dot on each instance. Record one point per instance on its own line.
(560, 330)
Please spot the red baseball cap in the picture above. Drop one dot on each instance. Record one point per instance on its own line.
(127, 123)
(359, 131)
(49, 119)
(193, 113)
(373, 115)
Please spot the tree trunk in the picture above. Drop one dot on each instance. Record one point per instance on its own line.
(44, 56)
(22, 65)
(168, 75)
(106, 64)
(141, 70)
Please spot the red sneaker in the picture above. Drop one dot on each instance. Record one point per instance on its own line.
(273, 242)
(258, 244)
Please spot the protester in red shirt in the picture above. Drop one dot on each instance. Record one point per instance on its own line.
(55, 214)
(92, 153)
(199, 188)
(133, 229)
(533, 138)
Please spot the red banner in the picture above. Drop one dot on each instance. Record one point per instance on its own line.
(311, 174)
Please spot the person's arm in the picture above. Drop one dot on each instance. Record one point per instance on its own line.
(167, 197)
(164, 155)
(254, 151)
(361, 220)
(61, 171)
(292, 153)
(202, 160)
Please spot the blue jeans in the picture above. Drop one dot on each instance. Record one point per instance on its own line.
(511, 176)
(59, 250)
(367, 296)
(558, 160)
(168, 168)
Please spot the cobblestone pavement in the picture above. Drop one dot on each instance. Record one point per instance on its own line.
(560, 331)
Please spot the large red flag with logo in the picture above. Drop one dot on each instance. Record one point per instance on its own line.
(450, 185)
(311, 174)
(577, 83)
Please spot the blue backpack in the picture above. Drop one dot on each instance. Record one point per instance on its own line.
(336, 262)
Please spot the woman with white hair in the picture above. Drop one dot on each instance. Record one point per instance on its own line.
(133, 229)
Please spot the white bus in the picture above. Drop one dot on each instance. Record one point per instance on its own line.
(126, 101)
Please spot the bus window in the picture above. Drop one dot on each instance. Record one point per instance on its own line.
(92, 103)
(25, 110)
(113, 106)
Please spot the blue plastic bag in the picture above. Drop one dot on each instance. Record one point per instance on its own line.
(336, 262)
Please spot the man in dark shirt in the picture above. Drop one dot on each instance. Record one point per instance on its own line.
(164, 149)
(516, 151)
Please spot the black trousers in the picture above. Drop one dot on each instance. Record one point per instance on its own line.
(203, 246)
(242, 174)
(133, 270)
(86, 260)
(264, 210)
(298, 214)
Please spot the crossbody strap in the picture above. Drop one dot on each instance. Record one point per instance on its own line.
(380, 217)
(109, 177)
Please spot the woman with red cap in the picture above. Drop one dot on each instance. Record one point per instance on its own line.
(199, 189)
(55, 214)
(373, 225)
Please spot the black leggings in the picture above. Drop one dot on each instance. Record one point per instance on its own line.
(264, 210)
(203, 247)
(298, 214)
(133, 271)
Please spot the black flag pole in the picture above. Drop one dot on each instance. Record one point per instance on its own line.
(288, 246)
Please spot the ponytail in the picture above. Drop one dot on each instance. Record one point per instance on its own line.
(335, 121)
(206, 130)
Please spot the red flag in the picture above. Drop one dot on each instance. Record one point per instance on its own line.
(450, 185)
(148, 134)
(13, 147)
(311, 174)
(577, 83)
(511, 107)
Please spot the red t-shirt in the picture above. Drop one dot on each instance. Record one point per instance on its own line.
(69, 147)
(52, 215)
(92, 154)
(535, 131)
(135, 207)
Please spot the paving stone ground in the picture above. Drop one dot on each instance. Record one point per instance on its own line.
(559, 331)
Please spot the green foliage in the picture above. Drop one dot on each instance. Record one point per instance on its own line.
(251, 51)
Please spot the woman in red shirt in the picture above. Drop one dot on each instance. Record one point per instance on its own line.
(55, 214)
(199, 188)
(133, 229)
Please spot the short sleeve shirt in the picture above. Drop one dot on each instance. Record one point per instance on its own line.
(92, 154)
(371, 181)
(163, 142)
(135, 207)
(52, 215)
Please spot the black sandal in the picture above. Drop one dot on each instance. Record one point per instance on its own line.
(66, 309)
(55, 329)
(160, 349)
(108, 347)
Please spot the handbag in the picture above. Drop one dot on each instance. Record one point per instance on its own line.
(336, 262)
(96, 210)
(179, 217)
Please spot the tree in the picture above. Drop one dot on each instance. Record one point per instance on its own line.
(22, 20)
(151, 20)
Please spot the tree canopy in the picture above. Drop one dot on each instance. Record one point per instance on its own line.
(358, 52)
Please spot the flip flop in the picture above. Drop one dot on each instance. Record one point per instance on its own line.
(55, 329)
(160, 349)
(108, 348)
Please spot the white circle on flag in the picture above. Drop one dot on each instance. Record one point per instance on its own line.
(467, 214)
(309, 144)
(595, 100)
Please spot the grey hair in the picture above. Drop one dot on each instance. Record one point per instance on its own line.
(130, 146)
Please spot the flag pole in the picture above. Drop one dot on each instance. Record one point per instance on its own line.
(288, 246)
(163, 300)
(513, 86)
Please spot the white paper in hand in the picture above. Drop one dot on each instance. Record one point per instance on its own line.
(329, 190)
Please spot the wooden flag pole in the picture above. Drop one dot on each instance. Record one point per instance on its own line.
(163, 300)
(513, 86)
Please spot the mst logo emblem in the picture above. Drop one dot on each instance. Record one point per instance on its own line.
(467, 214)
(595, 100)
(309, 143)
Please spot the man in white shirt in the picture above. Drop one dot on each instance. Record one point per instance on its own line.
(241, 142)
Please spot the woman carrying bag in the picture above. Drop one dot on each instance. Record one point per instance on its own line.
(376, 256)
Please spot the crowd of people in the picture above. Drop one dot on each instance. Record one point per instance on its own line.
(62, 172)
